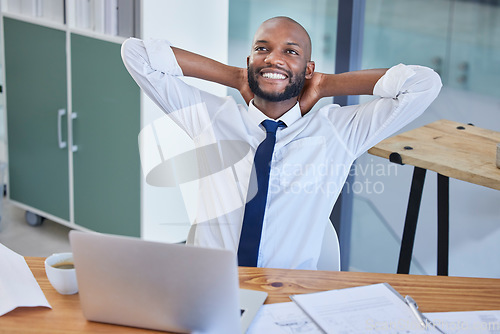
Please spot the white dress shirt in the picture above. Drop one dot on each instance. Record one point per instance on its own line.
(311, 159)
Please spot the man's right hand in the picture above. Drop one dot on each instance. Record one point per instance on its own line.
(198, 66)
(244, 88)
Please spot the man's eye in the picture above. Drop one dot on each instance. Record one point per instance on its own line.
(293, 52)
(260, 48)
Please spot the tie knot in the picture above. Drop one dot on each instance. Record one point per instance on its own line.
(272, 126)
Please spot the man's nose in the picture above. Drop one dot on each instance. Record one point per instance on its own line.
(274, 58)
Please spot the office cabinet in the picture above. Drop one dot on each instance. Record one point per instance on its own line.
(35, 71)
(103, 189)
(106, 160)
(73, 119)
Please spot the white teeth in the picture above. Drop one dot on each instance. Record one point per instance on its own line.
(273, 76)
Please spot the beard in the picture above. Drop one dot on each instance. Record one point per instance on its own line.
(293, 89)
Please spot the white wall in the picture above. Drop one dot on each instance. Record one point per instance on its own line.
(201, 27)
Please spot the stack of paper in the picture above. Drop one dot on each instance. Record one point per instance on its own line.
(374, 308)
(110, 17)
(52, 10)
(82, 14)
(18, 286)
(368, 309)
(25, 7)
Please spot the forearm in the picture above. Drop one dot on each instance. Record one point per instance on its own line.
(198, 66)
(350, 83)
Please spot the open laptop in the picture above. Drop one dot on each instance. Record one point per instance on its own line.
(171, 287)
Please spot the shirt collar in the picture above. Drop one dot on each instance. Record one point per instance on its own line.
(288, 118)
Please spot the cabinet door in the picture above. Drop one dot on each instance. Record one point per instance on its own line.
(35, 70)
(106, 163)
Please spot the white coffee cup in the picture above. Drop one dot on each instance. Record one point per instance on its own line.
(62, 278)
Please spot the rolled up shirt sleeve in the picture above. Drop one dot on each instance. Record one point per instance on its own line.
(152, 64)
(403, 93)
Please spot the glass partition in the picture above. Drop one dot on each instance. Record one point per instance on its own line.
(460, 39)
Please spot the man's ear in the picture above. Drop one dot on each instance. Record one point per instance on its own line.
(310, 69)
(248, 60)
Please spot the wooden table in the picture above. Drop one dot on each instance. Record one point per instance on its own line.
(433, 294)
(451, 149)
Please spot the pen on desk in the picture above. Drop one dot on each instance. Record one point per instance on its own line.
(414, 308)
(420, 317)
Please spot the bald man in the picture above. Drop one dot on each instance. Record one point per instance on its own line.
(311, 152)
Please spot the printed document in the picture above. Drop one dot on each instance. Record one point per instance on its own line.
(282, 318)
(470, 322)
(374, 308)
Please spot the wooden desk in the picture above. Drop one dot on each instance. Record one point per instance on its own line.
(451, 149)
(433, 294)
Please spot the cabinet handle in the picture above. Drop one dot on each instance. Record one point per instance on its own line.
(74, 148)
(60, 114)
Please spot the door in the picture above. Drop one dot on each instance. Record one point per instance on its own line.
(106, 163)
(35, 70)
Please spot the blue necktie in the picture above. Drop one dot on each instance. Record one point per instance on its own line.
(251, 229)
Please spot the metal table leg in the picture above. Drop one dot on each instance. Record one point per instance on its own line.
(417, 186)
(443, 228)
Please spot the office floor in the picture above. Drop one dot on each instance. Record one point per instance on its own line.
(27, 240)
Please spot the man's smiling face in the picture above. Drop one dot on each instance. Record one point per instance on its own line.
(275, 78)
(279, 61)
